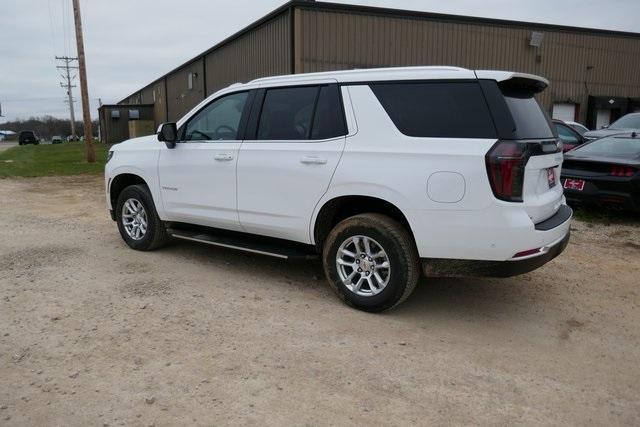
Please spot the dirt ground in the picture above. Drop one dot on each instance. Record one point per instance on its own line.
(6, 145)
(93, 333)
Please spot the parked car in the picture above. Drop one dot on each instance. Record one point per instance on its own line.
(627, 123)
(605, 172)
(56, 140)
(578, 127)
(570, 138)
(28, 137)
(380, 173)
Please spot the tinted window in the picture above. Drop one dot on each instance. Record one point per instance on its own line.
(529, 119)
(219, 120)
(286, 113)
(567, 135)
(329, 119)
(613, 146)
(450, 110)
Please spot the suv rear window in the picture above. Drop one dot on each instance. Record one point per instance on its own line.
(530, 121)
(515, 111)
(437, 109)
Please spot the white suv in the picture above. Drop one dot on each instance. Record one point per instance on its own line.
(382, 173)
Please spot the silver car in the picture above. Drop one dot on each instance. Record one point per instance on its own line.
(625, 124)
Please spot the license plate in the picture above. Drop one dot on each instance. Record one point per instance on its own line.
(551, 177)
(574, 184)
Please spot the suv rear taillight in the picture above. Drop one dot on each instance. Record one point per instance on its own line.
(506, 161)
(505, 165)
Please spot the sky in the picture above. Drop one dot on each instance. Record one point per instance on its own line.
(130, 43)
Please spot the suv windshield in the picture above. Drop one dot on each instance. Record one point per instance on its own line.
(630, 121)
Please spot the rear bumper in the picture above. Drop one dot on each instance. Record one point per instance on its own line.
(610, 199)
(473, 268)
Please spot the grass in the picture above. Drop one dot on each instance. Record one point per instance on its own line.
(50, 160)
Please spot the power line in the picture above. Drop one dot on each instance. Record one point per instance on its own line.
(67, 67)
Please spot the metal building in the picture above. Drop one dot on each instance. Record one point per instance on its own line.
(594, 73)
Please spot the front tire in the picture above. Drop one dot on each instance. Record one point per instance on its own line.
(371, 262)
(138, 222)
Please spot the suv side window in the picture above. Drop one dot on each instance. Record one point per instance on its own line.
(437, 109)
(287, 113)
(218, 121)
(301, 114)
(329, 119)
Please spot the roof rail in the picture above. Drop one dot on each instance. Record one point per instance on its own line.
(360, 71)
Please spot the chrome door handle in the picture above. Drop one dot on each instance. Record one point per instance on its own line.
(310, 160)
(223, 157)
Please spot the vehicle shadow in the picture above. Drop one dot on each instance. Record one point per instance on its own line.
(467, 298)
(470, 298)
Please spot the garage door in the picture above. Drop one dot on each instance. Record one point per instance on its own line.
(603, 118)
(564, 111)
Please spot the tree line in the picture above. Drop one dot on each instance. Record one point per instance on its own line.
(47, 126)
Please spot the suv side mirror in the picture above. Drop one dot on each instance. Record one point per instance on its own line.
(604, 126)
(168, 133)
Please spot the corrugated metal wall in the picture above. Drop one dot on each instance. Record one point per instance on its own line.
(326, 37)
(180, 98)
(264, 51)
(331, 40)
(155, 94)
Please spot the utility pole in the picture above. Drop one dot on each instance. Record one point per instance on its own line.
(99, 127)
(67, 67)
(84, 91)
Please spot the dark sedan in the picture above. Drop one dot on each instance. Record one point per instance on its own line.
(604, 172)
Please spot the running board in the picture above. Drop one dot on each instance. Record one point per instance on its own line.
(247, 243)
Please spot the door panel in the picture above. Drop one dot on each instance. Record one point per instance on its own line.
(198, 183)
(287, 168)
(198, 177)
(279, 184)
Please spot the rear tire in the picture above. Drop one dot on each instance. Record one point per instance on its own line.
(138, 222)
(371, 262)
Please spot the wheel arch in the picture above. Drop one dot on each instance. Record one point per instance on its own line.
(341, 207)
(122, 181)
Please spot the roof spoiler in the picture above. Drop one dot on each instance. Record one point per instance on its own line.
(512, 79)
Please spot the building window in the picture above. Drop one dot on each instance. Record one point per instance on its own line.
(134, 114)
(190, 78)
(153, 95)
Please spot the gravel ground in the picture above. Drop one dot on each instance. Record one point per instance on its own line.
(93, 333)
